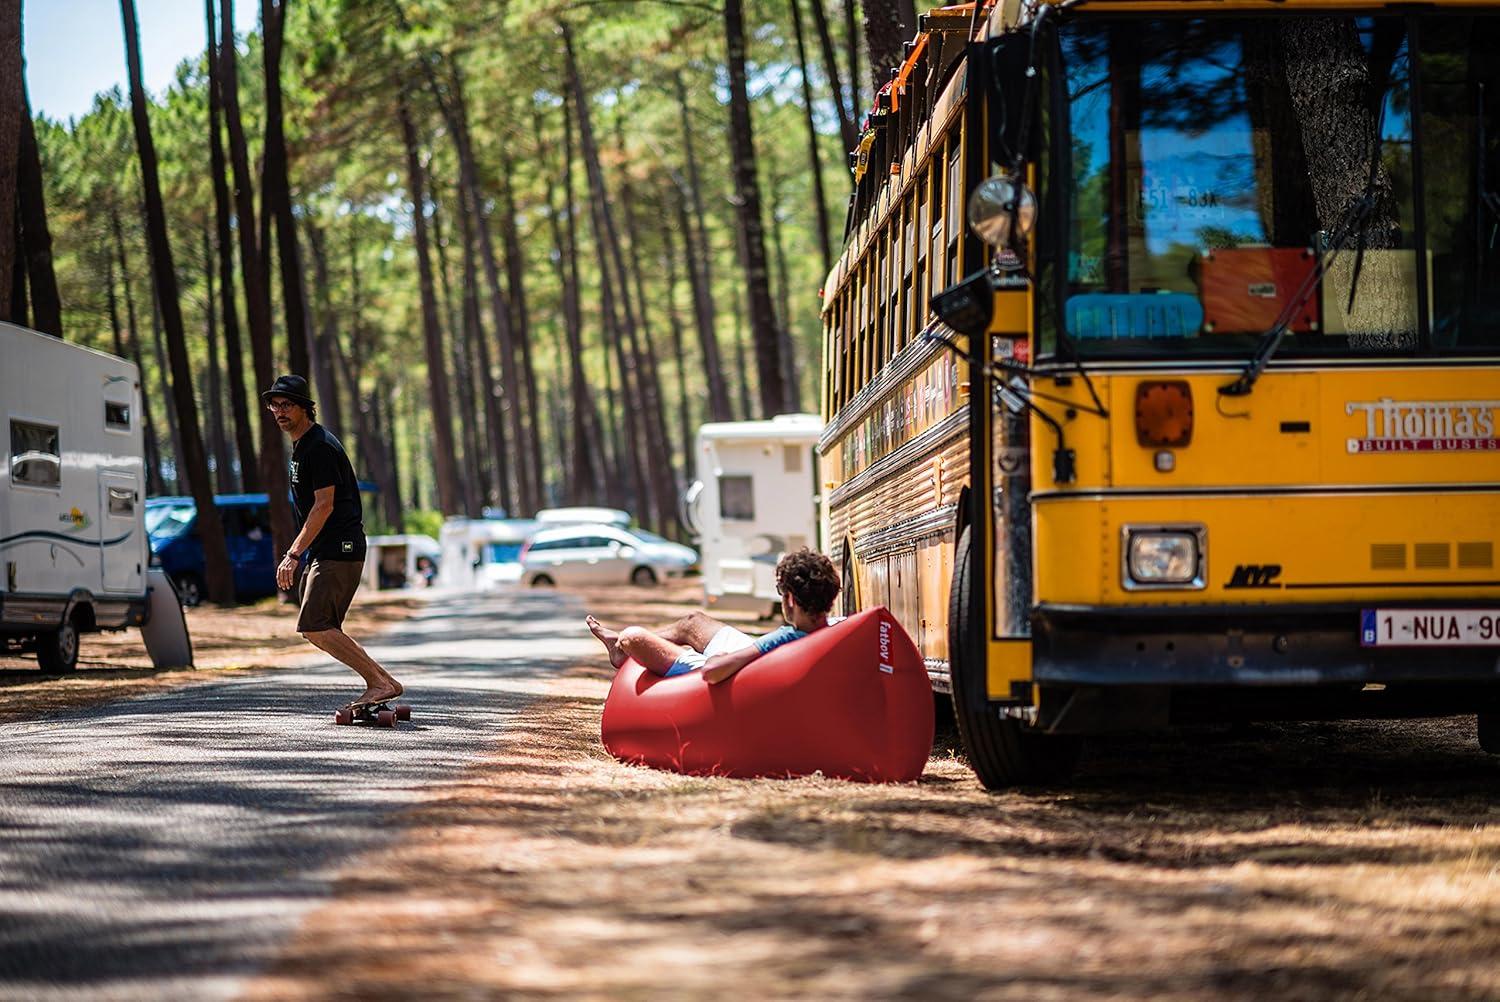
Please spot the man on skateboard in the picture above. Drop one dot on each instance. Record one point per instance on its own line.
(332, 538)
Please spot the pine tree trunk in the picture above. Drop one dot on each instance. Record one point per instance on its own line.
(379, 456)
(432, 334)
(768, 364)
(12, 75)
(324, 328)
(584, 478)
(277, 191)
(884, 39)
(494, 424)
(844, 103)
(234, 355)
(219, 442)
(664, 482)
(272, 451)
(218, 577)
(700, 274)
(181, 482)
(851, 45)
(455, 113)
(515, 269)
(463, 379)
(815, 162)
(684, 404)
(607, 247)
(784, 309)
(155, 484)
(36, 245)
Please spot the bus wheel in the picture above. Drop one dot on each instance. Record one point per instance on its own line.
(57, 651)
(1001, 752)
(1489, 732)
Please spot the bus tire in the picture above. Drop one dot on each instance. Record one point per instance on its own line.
(57, 650)
(1489, 732)
(1001, 751)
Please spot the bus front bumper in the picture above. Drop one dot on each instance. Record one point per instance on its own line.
(1239, 646)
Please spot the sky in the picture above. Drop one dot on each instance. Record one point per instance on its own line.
(76, 48)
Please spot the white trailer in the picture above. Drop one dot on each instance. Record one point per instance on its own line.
(482, 553)
(754, 499)
(72, 511)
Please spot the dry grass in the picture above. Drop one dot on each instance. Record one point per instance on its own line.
(116, 665)
(1332, 861)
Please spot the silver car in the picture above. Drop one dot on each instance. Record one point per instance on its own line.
(602, 554)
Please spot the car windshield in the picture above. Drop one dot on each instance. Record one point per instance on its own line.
(648, 537)
(1202, 167)
(165, 522)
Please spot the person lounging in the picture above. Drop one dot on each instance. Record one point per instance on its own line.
(807, 584)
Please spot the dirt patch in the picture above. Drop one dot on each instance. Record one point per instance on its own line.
(1307, 861)
(116, 665)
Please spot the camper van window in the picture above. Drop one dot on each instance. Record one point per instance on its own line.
(505, 553)
(737, 498)
(116, 416)
(121, 501)
(35, 456)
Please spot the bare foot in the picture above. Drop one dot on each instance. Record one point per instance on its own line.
(381, 694)
(609, 638)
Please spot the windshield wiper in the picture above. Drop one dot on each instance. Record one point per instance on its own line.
(1383, 58)
(1354, 215)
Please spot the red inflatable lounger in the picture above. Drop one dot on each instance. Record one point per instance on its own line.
(851, 701)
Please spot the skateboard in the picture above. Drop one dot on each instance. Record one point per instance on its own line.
(380, 713)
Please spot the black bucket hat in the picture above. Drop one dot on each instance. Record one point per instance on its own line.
(292, 387)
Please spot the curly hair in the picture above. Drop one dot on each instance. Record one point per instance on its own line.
(809, 578)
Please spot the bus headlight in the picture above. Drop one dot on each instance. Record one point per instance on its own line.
(1164, 557)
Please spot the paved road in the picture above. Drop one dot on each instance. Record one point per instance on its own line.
(163, 847)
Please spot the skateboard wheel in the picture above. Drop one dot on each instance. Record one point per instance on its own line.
(386, 718)
(403, 711)
(343, 716)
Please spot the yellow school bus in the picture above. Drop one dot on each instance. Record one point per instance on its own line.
(1162, 367)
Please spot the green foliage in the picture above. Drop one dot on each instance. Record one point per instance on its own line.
(423, 522)
(345, 68)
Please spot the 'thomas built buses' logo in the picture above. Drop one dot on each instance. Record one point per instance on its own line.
(1426, 425)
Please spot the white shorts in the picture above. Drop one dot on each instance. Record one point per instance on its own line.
(726, 641)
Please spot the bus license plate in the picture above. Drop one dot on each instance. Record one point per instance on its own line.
(1429, 628)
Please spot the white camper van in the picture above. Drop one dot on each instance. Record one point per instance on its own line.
(72, 511)
(482, 553)
(755, 498)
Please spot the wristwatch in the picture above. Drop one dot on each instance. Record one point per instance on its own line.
(294, 554)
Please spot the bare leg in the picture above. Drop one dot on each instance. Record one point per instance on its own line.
(379, 685)
(655, 653)
(694, 630)
(609, 638)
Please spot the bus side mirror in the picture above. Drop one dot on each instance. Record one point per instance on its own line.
(968, 305)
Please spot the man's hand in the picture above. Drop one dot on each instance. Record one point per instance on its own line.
(286, 571)
(721, 666)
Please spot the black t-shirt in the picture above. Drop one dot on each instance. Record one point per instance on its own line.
(318, 461)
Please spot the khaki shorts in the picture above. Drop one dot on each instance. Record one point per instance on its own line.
(328, 586)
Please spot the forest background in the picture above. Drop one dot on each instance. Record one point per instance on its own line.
(521, 250)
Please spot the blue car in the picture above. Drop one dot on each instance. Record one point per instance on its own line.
(172, 526)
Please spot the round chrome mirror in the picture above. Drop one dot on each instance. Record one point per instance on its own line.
(995, 204)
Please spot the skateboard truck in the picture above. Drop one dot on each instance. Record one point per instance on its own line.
(380, 713)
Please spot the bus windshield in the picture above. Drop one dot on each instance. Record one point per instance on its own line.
(1201, 169)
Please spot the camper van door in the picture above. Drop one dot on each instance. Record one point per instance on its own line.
(120, 545)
